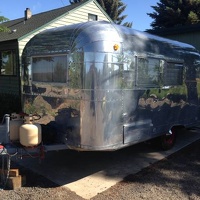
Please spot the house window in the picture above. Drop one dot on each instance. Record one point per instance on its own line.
(92, 17)
(8, 62)
(50, 69)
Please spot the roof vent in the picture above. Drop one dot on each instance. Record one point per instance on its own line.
(27, 13)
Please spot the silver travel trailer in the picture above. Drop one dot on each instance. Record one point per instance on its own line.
(99, 86)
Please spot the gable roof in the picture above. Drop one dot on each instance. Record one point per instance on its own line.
(24, 27)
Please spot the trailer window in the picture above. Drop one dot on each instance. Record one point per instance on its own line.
(148, 72)
(173, 74)
(49, 69)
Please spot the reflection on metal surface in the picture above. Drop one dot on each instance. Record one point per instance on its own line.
(100, 86)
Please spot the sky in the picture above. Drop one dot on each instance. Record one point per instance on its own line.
(136, 10)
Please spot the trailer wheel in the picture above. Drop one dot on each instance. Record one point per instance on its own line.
(167, 141)
(164, 142)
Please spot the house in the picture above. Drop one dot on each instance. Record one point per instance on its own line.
(187, 34)
(22, 30)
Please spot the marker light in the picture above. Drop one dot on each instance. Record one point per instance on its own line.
(116, 47)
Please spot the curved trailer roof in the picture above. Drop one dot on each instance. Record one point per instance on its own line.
(77, 37)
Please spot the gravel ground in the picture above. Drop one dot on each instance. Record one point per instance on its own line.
(175, 177)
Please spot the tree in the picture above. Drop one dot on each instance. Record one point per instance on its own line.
(170, 13)
(114, 8)
(2, 27)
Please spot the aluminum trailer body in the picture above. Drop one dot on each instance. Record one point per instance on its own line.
(100, 86)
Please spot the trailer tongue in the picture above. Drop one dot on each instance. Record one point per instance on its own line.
(28, 142)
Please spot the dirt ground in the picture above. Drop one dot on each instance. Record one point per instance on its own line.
(175, 177)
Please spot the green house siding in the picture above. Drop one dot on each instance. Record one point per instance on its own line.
(188, 34)
(192, 38)
(10, 85)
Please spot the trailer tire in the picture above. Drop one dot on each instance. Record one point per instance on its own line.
(164, 142)
(167, 141)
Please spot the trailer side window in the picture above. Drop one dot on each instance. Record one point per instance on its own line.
(173, 74)
(148, 72)
(49, 69)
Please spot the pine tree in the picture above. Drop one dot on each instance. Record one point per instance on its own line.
(170, 13)
(74, 1)
(2, 27)
(114, 8)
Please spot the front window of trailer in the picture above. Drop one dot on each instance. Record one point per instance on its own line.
(8, 62)
(50, 69)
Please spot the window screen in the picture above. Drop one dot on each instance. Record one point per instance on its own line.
(148, 72)
(173, 74)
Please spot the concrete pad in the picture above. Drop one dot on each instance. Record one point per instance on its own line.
(90, 173)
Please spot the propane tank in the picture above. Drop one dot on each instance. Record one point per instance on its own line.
(15, 123)
(30, 133)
